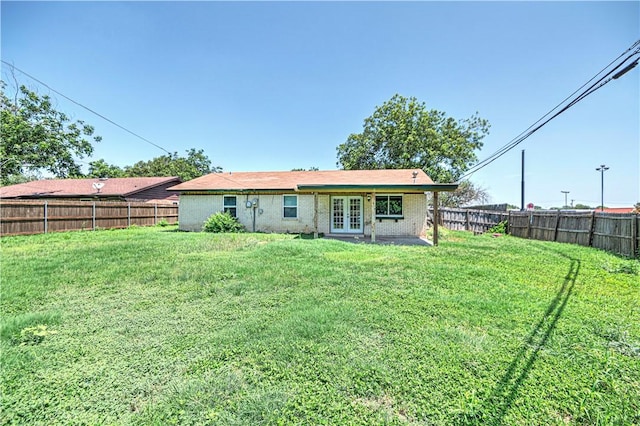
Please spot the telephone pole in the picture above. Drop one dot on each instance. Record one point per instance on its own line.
(565, 198)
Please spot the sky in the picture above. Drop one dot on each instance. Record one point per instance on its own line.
(265, 86)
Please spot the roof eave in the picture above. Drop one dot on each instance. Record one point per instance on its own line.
(416, 189)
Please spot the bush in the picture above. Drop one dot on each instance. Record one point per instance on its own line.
(222, 222)
(500, 228)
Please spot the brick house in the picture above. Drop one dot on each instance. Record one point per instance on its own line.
(341, 202)
(134, 189)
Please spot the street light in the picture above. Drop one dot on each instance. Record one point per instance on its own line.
(602, 169)
(565, 197)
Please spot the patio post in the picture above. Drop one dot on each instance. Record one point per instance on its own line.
(373, 217)
(315, 215)
(436, 218)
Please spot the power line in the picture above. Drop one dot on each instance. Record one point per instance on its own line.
(85, 107)
(535, 126)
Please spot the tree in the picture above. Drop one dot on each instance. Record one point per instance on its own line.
(467, 193)
(582, 207)
(310, 169)
(101, 169)
(194, 165)
(403, 134)
(35, 135)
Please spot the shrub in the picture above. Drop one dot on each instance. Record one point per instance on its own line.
(222, 222)
(499, 228)
(163, 223)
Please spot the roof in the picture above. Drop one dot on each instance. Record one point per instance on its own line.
(55, 188)
(318, 181)
(617, 209)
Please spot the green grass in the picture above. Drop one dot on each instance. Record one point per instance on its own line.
(153, 326)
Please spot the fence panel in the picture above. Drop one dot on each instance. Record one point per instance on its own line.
(544, 225)
(519, 223)
(477, 221)
(23, 217)
(575, 228)
(613, 232)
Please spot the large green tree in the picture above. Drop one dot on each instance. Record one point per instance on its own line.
(35, 136)
(404, 134)
(102, 169)
(195, 164)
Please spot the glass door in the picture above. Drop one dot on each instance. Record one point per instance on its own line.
(346, 215)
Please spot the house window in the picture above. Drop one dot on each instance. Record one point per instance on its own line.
(389, 206)
(230, 205)
(290, 206)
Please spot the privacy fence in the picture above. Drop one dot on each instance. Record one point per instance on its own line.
(617, 233)
(23, 217)
(478, 221)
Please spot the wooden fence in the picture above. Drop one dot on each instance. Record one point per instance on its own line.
(23, 217)
(478, 221)
(617, 233)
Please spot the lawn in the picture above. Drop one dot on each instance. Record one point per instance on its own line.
(153, 326)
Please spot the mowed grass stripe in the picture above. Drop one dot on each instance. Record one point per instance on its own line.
(154, 326)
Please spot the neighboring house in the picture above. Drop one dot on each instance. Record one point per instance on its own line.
(135, 189)
(358, 202)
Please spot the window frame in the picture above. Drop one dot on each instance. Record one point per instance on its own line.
(228, 207)
(285, 206)
(390, 215)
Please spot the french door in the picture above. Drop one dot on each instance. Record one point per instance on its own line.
(346, 215)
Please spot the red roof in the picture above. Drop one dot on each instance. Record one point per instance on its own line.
(294, 180)
(112, 187)
(617, 209)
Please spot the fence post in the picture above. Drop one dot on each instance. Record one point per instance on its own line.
(466, 223)
(592, 227)
(555, 232)
(129, 215)
(508, 230)
(46, 217)
(529, 224)
(634, 235)
(93, 216)
(155, 214)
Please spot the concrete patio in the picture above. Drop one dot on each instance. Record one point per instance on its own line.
(387, 240)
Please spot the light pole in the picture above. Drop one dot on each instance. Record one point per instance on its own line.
(565, 198)
(602, 169)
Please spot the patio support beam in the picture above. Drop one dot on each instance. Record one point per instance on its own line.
(436, 218)
(373, 217)
(315, 215)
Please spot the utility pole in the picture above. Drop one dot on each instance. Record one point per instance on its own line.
(602, 169)
(522, 185)
(572, 200)
(565, 198)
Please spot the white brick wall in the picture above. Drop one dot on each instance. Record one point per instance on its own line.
(195, 209)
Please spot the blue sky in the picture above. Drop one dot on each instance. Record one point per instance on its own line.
(276, 86)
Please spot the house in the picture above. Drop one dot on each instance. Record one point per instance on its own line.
(356, 202)
(134, 189)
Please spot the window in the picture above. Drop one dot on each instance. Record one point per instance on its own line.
(290, 206)
(230, 205)
(389, 206)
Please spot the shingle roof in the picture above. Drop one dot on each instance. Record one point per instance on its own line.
(83, 187)
(295, 180)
